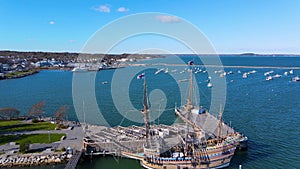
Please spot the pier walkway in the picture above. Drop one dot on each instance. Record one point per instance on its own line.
(74, 160)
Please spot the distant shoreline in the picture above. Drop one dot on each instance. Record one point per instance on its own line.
(77, 54)
(14, 64)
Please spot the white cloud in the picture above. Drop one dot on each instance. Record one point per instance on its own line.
(167, 19)
(103, 8)
(123, 9)
(51, 22)
(72, 41)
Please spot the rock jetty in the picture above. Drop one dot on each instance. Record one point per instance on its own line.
(25, 160)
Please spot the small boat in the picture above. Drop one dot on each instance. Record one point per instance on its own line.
(167, 70)
(209, 85)
(218, 71)
(291, 72)
(223, 74)
(277, 76)
(268, 73)
(245, 75)
(230, 72)
(158, 71)
(183, 80)
(269, 78)
(104, 82)
(174, 70)
(296, 79)
(286, 73)
(198, 71)
(79, 69)
(239, 71)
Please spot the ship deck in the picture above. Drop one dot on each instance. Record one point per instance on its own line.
(209, 124)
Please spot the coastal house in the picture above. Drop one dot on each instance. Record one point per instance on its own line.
(48, 63)
(122, 60)
(43, 63)
(18, 67)
(6, 67)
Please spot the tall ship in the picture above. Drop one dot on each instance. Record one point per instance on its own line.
(196, 148)
(202, 141)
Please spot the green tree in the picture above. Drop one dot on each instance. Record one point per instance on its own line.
(24, 146)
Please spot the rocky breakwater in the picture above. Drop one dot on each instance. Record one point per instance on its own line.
(25, 160)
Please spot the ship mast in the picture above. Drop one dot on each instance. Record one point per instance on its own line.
(220, 122)
(189, 102)
(189, 106)
(146, 114)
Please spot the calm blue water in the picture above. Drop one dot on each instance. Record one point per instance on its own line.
(266, 111)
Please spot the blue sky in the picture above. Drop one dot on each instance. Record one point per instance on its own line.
(232, 26)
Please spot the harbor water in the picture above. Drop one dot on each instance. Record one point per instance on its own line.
(267, 112)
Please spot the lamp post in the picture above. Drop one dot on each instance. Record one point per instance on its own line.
(49, 136)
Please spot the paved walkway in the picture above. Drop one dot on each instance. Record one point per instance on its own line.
(73, 139)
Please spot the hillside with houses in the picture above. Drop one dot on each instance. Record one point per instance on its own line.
(15, 64)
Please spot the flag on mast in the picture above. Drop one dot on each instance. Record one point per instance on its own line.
(191, 62)
(141, 76)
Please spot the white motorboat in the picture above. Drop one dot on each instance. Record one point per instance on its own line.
(252, 72)
(158, 71)
(296, 79)
(79, 69)
(269, 78)
(209, 85)
(167, 70)
(277, 76)
(268, 73)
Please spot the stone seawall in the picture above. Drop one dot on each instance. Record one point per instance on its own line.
(26, 160)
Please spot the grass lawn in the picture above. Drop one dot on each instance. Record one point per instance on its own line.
(13, 126)
(9, 122)
(33, 138)
(13, 74)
